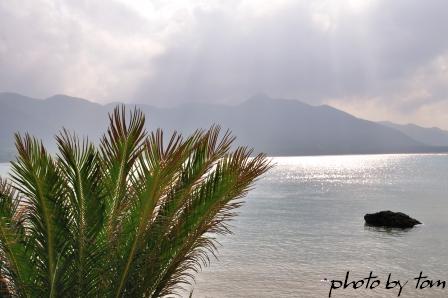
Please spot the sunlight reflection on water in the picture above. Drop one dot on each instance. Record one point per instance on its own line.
(304, 222)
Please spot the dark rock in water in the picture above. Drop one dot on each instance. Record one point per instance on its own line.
(390, 219)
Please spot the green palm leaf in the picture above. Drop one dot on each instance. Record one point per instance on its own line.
(79, 164)
(120, 148)
(37, 179)
(136, 217)
(14, 259)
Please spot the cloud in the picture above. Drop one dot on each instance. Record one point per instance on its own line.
(306, 51)
(85, 49)
(421, 97)
(371, 57)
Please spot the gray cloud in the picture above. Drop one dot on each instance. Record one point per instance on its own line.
(289, 54)
(375, 58)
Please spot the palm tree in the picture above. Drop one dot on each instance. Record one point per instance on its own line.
(135, 217)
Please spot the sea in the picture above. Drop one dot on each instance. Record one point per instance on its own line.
(301, 231)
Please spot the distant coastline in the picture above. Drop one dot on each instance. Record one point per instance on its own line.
(278, 127)
(7, 161)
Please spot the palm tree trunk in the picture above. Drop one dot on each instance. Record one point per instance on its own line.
(4, 289)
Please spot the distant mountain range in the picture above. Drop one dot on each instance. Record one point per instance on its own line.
(433, 136)
(278, 127)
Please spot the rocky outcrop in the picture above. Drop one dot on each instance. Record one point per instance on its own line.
(390, 219)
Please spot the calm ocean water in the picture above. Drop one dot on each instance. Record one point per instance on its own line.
(304, 222)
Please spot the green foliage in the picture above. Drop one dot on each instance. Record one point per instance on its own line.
(135, 217)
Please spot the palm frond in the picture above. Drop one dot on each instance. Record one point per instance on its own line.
(79, 165)
(120, 148)
(15, 271)
(186, 248)
(37, 178)
(155, 172)
(136, 217)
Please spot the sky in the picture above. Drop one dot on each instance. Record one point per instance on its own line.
(376, 59)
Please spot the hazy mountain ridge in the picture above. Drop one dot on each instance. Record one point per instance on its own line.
(277, 127)
(432, 136)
